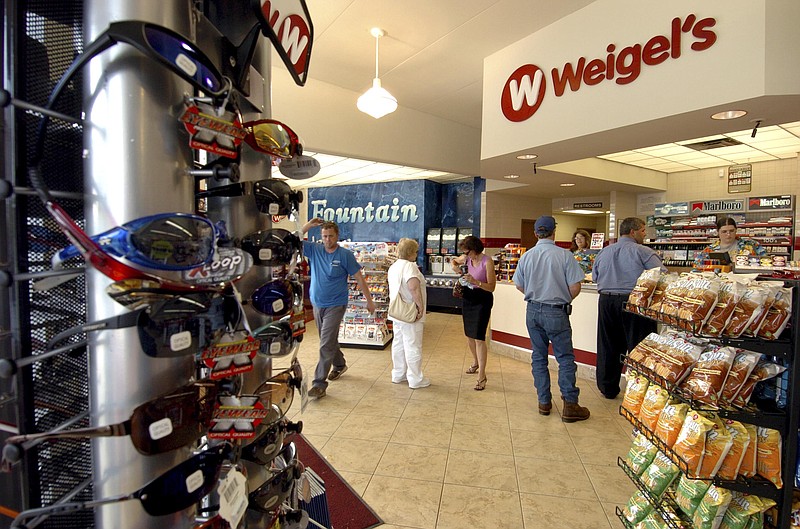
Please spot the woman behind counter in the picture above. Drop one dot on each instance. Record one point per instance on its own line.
(406, 281)
(580, 249)
(729, 242)
(477, 303)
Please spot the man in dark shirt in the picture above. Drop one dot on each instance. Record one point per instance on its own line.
(616, 269)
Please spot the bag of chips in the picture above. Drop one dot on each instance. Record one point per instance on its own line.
(637, 508)
(674, 358)
(730, 293)
(689, 493)
(641, 454)
(655, 398)
(763, 371)
(743, 364)
(712, 507)
(777, 316)
(707, 377)
(718, 443)
(644, 348)
(770, 455)
(772, 290)
(652, 521)
(691, 441)
(748, 307)
(659, 474)
(634, 392)
(670, 422)
(701, 296)
(639, 298)
(657, 298)
(733, 459)
(742, 508)
(750, 458)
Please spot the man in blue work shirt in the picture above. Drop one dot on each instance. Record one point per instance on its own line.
(550, 278)
(616, 269)
(330, 266)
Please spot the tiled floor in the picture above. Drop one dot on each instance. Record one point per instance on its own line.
(449, 457)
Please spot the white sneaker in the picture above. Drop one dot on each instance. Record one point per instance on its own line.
(399, 381)
(424, 383)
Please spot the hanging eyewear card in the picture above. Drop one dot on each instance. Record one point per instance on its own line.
(232, 497)
(237, 417)
(229, 264)
(219, 135)
(232, 355)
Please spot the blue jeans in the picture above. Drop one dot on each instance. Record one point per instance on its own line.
(548, 325)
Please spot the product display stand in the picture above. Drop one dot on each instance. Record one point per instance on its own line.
(359, 328)
(786, 421)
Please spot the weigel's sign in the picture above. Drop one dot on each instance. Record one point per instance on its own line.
(526, 88)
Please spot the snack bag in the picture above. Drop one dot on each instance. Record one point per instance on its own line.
(673, 298)
(674, 358)
(772, 290)
(733, 459)
(748, 307)
(642, 349)
(718, 442)
(777, 316)
(639, 298)
(652, 521)
(769, 450)
(691, 442)
(634, 392)
(712, 507)
(763, 371)
(655, 398)
(641, 454)
(701, 296)
(730, 293)
(670, 422)
(661, 472)
(708, 375)
(689, 493)
(657, 298)
(750, 458)
(743, 364)
(740, 509)
(637, 508)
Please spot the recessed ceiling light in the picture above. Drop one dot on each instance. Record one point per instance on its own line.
(527, 156)
(566, 185)
(511, 176)
(729, 114)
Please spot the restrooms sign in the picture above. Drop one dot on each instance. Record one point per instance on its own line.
(529, 85)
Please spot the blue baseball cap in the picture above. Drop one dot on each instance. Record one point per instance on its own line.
(544, 224)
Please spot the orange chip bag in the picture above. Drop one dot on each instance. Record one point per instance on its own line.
(733, 460)
(670, 422)
(718, 443)
(772, 289)
(743, 364)
(639, 298)
(748, 307)
(634, 392)
(769, 450)
(730, 293)
(701, 297)
(777, 316)
(653, 403)
(643, 349)
(658, 293)
(707, 377)
(691, 441)
(748, 466)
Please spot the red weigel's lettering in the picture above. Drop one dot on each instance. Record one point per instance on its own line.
(525, 89)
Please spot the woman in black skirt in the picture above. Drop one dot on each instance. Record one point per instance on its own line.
(479, 281)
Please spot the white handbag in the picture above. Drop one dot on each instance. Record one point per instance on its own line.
(402, 310)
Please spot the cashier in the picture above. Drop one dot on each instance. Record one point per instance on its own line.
(729, 242)
(580, 249)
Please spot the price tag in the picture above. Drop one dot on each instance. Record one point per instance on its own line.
(233, 497)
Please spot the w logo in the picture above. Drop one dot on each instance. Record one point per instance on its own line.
(523, 93)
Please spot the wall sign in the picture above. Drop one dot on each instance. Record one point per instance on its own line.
(672, 208)
(717, 206)
(526, 88)
(740, 178)
(587, 205)
(597, 241)
(770, 203)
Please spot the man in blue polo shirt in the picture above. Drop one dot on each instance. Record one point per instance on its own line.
(330, 266)
(550, 278)
(616, 269)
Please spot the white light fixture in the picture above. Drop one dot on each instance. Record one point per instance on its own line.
(376, 101)
(565, 184)
(527, 156)
(582, 211)
(511, 176)
(729, 114)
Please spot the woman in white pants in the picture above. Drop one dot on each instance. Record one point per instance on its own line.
(406, 281)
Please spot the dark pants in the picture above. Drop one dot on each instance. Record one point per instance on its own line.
(618, 332)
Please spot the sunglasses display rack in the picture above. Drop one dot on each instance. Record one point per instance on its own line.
(118, 414)
(359, 328)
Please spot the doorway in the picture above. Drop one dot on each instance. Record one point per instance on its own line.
(527, 239)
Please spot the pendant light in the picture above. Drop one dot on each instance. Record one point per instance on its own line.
(376, 101)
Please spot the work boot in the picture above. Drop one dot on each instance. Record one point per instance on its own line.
(544, 409)
(574, 412)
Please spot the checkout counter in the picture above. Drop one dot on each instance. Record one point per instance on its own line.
(509, 334)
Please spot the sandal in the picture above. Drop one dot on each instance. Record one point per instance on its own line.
(481, 385)
(472, 369)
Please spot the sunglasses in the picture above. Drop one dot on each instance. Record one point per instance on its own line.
(277, 297)
(137, 293)
(272, 137)
(272, 197)
(276, 338)
(171, 492)
(269, 444)
(171, 421)
(166, 241)
(277, 489)
(272, 247)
